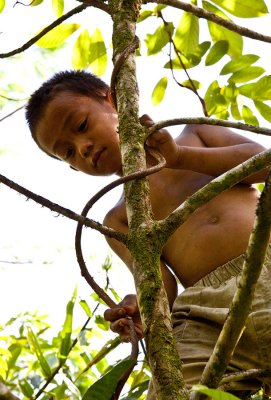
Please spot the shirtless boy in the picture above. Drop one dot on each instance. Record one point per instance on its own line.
(72, 118)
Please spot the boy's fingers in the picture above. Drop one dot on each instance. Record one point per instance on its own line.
(146, 120)
(113, 314)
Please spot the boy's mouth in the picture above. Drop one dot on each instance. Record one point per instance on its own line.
(96, 157)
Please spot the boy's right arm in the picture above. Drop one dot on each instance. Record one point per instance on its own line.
(129, 306)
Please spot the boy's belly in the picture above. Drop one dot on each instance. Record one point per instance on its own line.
(212, 235)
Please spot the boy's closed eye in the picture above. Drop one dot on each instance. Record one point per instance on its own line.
(83, 125)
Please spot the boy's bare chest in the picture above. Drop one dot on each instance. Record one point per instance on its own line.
(169, 192)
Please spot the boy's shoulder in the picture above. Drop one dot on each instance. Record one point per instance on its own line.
(117, 214)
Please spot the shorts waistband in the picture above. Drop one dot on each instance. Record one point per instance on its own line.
(226, 271)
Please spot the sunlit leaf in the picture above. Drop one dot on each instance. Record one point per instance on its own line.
(66, 331)
(85, 307)
(36, 2)
(34, 345)
(97, 53)
(186, 38)
(235, 112)
(137, 391)
(2, 5)
(72, 388)
(217, 32)
(144, 15)
(242, 62)
(249, 117)
(159, 91)
(188, 84)
(15, 350)
(246, 74)
(263, 109)
(102, 323)
(105, 387)
(58, 7)
(230, 91)
(80, 52)
(215, 394)
(115, 294)
(157, 40)
(216, 52)
(26, 388)
(260, 90)
(57, 35)
(243, 8)
(216, 103)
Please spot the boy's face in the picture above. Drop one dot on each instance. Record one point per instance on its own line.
(82, 132)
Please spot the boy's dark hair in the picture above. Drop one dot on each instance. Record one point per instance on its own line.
(77, 82)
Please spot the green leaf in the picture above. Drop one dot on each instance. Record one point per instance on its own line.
(248, 116)
(219, 33)
(58, 7)
(243, 8)
(15, 350)
(186, 38)
(66, 331)
(159, 91)
(85, 307)
(214, 393)
(105, 387)
(246, 74)
(230, 92)
(216, 103)
(157, 40)
(260, 90)
(36, 2)
(26, 388)
(57, 36)
(144, 15)
(137, 391)
(235, 111)
(216, 52)
(97, 54)
(260, 186)
(242, 62)
(35, 347)
(2, 5)
(263, 109)
(80, 52)
(189, 85)
(102, 323)
(115, 294)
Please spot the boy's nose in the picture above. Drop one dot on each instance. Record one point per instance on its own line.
(85, 148)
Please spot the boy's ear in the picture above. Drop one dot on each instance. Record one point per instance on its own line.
(109, 98)
(71, 167)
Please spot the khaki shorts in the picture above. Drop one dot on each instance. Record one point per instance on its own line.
(198, 316)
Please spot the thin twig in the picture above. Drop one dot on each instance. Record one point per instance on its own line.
(201, 13)
(12, 113)
(64, 211)
(208, 121)
(179, 55)
(84, 271)
(54, 24)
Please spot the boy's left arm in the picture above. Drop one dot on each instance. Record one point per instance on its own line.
(207, 149)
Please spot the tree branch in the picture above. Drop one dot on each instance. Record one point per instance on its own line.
(167, 227)
(94, 3)
(208, 121)
(201, 13)
(64, 211)
(239, 309)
